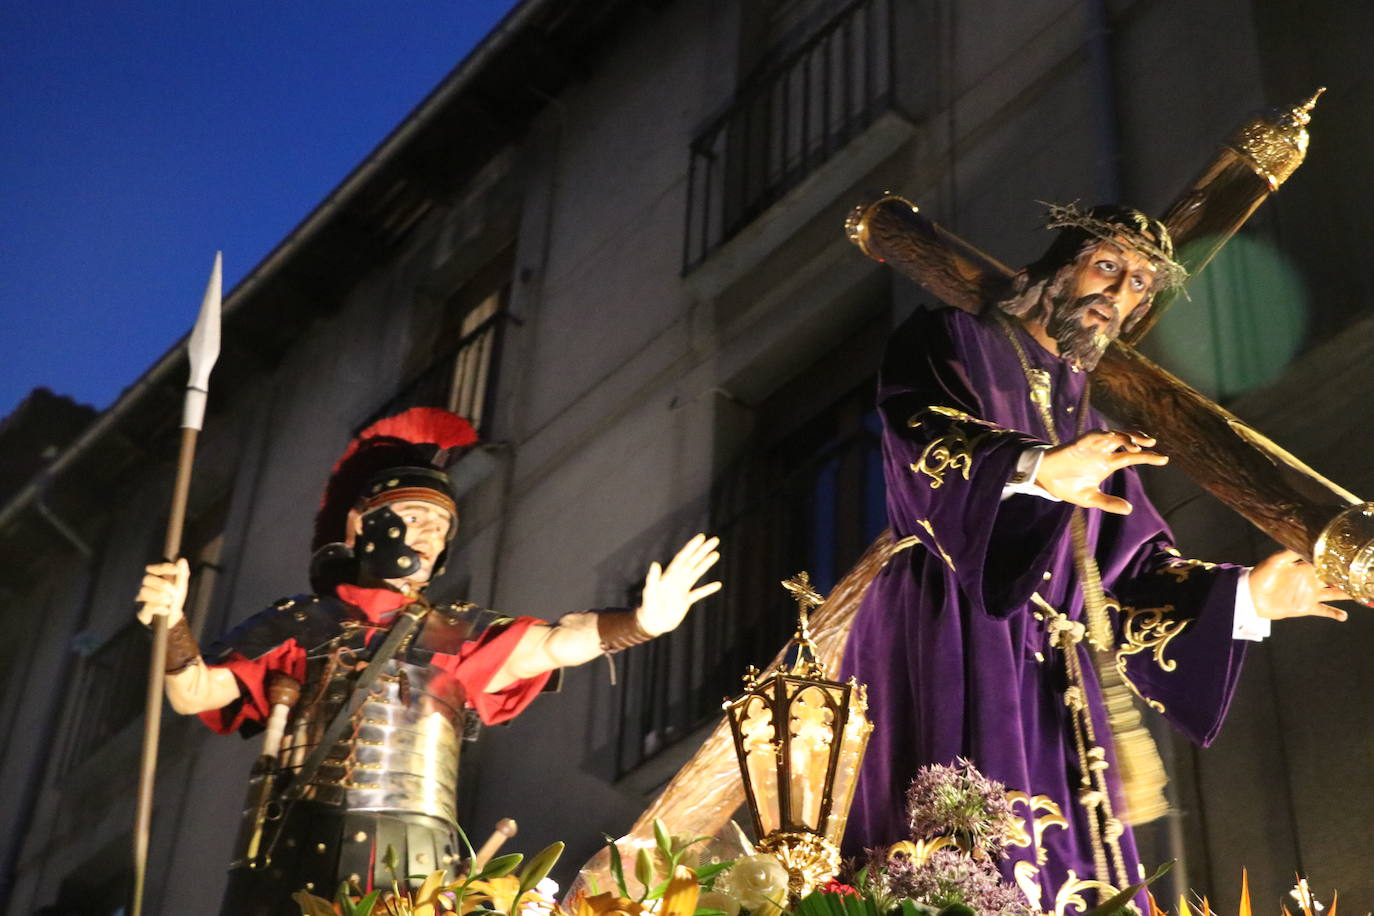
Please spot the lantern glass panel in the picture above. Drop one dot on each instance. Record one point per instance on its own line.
(756, 728)
(852, 746)
(811, 718)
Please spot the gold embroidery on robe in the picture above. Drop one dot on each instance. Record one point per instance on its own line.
(1181, 567)
(1148, 628)
(930, 530)
(1027, 874)
(953, 450)
(1071, 894)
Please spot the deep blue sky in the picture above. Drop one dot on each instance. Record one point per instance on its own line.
(138, 138)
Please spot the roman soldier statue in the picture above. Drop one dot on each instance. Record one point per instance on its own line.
(364, 688)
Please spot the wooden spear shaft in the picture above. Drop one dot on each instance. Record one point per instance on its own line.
(202, 350)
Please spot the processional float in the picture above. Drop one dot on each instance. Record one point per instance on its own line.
(1272, 489)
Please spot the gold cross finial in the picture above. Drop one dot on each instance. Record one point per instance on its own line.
(800, 587)
(807, 599)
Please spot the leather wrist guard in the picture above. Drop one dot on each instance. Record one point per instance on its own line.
(182, 651)
(619, 630)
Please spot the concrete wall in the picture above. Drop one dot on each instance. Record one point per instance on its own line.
(625, 388)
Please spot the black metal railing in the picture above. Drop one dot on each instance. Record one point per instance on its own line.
(460, 379)
(788, 121)
(814, 502)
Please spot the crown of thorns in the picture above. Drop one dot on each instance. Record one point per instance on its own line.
(1132, 228)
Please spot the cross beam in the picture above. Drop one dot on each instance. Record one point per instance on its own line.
(1265, 484)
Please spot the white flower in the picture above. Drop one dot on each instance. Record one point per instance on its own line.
(540, 899)
(758, 882)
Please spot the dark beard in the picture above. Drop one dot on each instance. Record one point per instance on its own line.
(1081, 345)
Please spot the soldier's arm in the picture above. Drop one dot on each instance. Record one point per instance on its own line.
(578, 638)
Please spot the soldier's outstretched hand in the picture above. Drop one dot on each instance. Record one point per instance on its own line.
(670, 591)
(1285, 585)
(1075, 470)
(163, 591)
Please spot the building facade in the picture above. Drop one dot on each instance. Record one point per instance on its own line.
(613, 237)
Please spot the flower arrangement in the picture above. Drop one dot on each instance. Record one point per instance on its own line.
(947, 869)
(493, 887)
(670, 887)
(960, 823)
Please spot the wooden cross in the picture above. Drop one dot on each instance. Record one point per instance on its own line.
(1268, 486)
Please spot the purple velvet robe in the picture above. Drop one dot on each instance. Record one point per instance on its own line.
(946, 638)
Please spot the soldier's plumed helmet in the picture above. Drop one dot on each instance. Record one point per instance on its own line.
(396, 459)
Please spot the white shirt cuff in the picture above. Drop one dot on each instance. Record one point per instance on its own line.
(1023, 477)
(1248, 623)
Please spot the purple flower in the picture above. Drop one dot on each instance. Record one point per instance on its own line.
(960, 802)
(947, 877)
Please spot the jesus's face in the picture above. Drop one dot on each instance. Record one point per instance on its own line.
(1108, 283)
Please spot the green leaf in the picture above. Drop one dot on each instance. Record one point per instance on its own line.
(661, 837)
(855, 906)
(708, 872)
(956, 909)
(467, 844)
(593, 886)
(389, 859)
(1120, 900)
(618, 869)
(644, 868)
(814, 904)
(367, 904)
(535, 871)
(500, 866)
(706, 911)
(912, 908)
(539, 867)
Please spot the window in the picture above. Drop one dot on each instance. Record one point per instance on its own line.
(475, 357)
(112, 682)
(460, 356)
(811, 499)
(109, 693)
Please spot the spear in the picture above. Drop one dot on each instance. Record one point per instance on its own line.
(202, 350)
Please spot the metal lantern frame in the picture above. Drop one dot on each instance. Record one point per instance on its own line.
(805, 841)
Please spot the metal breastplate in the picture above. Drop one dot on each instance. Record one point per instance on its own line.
(402, 755)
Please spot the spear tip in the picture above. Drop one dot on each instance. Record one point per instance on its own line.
(202, 349)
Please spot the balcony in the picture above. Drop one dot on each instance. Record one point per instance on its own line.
(788, 121)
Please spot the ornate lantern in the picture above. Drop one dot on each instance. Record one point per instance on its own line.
(800, 738)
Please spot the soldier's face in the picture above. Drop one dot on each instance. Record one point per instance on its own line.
(427, 529)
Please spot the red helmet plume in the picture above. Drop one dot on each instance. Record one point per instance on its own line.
(416, 438)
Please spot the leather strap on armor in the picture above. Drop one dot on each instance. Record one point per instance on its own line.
(619, 630)
(182, 651)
